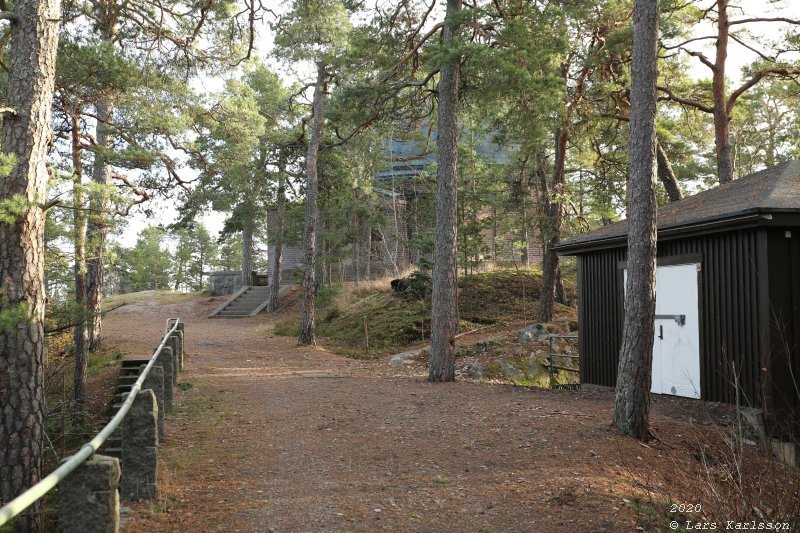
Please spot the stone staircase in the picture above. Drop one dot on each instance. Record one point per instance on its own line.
(247, 301)
(128, 374)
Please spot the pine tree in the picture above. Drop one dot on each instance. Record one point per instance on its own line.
(632, 404)
(25, 137)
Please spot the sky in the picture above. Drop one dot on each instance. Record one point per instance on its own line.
(165, 212)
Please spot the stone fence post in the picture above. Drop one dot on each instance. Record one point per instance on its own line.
(183, 347)
(166, 361)
(89, 497)
(155, 382)
(173, 342)
(139, 448)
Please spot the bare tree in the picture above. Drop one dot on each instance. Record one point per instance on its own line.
(445, 290)
(632, 405)
(25, 136)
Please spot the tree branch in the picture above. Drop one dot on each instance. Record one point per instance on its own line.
(680, 45)
(764, 19)
(411, 53)
(702, 58)
(683, 101)
(757, 77)
(757, 52)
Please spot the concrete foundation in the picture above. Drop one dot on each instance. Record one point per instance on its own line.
(224, 282)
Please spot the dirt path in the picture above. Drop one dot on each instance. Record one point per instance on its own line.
(274, 437)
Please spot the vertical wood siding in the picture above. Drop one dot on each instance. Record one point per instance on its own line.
(784, 322)
(729, 312)
(599, 315)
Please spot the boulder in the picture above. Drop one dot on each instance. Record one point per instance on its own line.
(487, 343)
(403, 358)
(534, 332)
(399, 285)
(510, 370)
(474, 370)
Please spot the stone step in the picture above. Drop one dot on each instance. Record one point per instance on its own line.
(134, 362)
(119, 397)
(239, 308)
(246, 303)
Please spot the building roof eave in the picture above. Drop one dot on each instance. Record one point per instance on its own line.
(749, 217)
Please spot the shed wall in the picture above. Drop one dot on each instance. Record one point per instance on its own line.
(730, 329)
(784, 321)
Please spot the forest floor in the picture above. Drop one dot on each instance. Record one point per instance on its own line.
(270, 436)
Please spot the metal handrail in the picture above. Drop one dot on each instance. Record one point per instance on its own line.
(552, 356)
(45, 485)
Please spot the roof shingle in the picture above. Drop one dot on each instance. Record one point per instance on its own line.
(773, 189)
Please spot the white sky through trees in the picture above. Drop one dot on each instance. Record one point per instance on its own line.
(165, 212)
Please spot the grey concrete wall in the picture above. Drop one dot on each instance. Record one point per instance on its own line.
(224, 282)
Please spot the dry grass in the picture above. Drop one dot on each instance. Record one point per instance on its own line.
(161, 297)
(351, 293)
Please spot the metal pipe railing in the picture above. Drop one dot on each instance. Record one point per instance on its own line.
(45, 485)
(551, 358)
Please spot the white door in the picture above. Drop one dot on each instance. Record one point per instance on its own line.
(676, 343)
(676, 347)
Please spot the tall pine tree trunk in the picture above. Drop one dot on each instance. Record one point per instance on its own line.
(80, 335)
(632, 402)
(667, 175)
(319, 246)
(444, 322)
(367, 230)
(551, 228)
(247, 253)
(275, 282)
(561, 293)
(25, 136)
(98, 224)
(722, 139)
(307, 335)
(101, 176)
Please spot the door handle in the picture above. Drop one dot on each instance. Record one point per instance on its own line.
(679, 319)
(661, 332)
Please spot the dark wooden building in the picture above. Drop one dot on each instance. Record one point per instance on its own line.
(728, 294)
